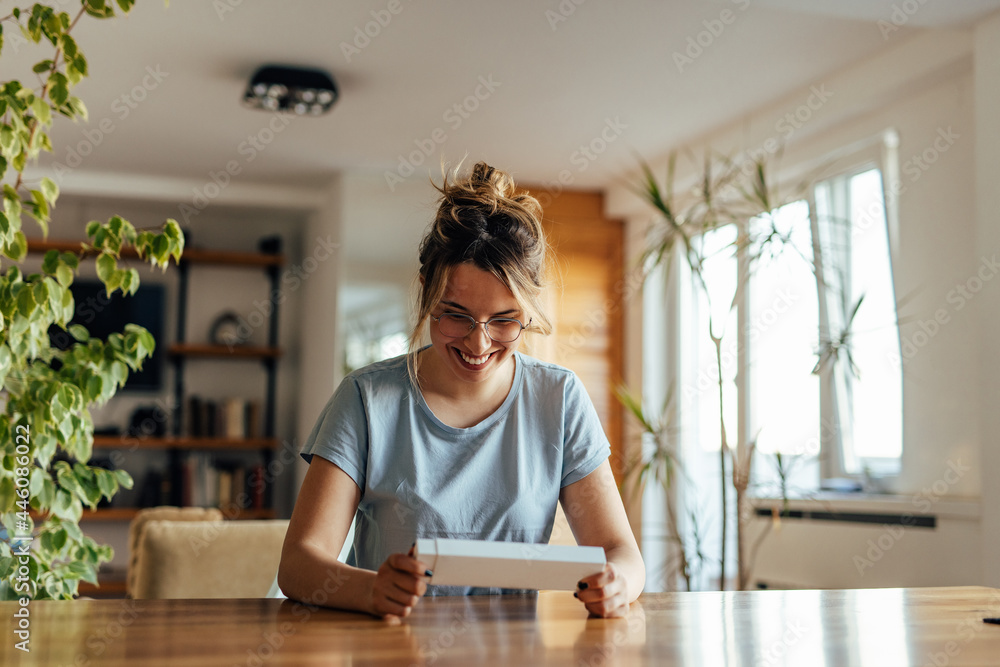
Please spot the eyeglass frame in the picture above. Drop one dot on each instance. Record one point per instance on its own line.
(486, 326)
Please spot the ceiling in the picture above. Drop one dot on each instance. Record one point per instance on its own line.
(564, 75)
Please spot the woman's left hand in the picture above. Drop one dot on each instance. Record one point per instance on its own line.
(605, 593)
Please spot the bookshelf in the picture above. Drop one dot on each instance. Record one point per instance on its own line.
(181, 444)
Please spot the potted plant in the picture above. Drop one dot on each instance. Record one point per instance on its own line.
(45, 423)
(727, 193)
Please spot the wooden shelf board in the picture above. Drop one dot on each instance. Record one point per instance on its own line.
(128, 513)
(223, 351)
(184, 442)
(190, 256)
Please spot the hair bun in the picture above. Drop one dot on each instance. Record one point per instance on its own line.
(482, 173)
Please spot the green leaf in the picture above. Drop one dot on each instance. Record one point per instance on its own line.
(106, 267)
(50, 262)
(92, 228)
(43, 66)
(59, 539)
(7, 495)
(79, 332)
(17, 248)
(95, 386)
(8, 140)
(106, 482)
(40, 292)
(68, 46)
(64, 275)
(25, 302)
(49, 189)
(123, 478)
(42, 111)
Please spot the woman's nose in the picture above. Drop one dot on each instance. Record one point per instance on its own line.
(477, 339)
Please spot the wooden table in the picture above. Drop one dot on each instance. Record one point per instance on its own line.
(882, 627)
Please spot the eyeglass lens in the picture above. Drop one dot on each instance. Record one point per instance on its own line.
(500, 329)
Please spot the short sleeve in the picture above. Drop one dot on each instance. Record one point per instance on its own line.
(585, 445)
(341, 432)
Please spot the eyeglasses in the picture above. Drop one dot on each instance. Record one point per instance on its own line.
(500, 329)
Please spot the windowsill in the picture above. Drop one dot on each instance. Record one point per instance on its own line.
(962, 507)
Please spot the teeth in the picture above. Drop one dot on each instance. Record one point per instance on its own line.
(475, 361)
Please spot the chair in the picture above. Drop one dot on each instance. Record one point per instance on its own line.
(197, 558)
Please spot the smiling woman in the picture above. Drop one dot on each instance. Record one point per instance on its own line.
(463, 438)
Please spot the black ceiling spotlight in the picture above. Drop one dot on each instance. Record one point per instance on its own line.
(299, 90)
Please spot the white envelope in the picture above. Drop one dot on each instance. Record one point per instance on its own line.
(508, 564)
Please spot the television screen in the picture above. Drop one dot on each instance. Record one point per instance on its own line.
(103, 316)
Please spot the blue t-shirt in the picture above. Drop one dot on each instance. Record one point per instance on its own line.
(420, 478)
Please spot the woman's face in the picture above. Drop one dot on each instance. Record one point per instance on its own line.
(479, 294)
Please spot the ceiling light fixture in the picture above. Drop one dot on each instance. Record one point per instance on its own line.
(298, 90)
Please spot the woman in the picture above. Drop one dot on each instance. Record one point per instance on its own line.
(465, 438)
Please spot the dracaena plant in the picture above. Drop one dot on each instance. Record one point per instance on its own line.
(45, 425)
(727, 193)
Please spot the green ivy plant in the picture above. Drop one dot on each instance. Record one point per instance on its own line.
(45, 424)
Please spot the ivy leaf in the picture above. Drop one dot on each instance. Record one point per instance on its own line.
(49, 188)
(106, 482)
(106, 267)
(42, 111)
(58, 88)
(123, 478)
(40, 292)
(50, 262)
(79, 332)
(17, 248)
(25, 302)
(64, 275)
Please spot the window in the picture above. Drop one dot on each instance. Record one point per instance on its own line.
(808, 351)
(863, 381)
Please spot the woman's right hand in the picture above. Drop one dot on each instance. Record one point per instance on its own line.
(399, 584)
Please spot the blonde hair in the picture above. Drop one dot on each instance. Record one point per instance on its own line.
(482, 220)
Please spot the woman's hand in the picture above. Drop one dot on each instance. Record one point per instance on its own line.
(398, 586)
(605, 593)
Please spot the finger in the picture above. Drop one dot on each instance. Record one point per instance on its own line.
(405, 563)
(602, 578)
(614, 606)
(389, 607)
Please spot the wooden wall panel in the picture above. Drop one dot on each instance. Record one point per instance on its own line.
(586, 309)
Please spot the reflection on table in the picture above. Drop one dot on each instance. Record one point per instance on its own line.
(933, 626)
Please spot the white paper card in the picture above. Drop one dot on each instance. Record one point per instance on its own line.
(508, 564)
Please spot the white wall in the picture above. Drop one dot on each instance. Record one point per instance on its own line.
(987, 110)
(926, 88)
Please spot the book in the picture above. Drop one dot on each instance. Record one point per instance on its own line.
(508, 564)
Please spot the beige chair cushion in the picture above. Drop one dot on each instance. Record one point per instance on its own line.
(208, 559)
(164, 513)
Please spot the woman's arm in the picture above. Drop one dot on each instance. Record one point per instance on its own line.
(309, 570)
(597, 517)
